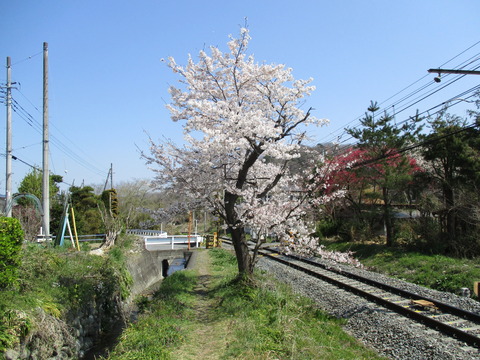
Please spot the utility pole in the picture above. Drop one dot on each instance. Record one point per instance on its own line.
(109, 176)
(8, 182)
(46, 173)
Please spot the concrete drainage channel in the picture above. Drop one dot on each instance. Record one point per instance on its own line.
(147, 268)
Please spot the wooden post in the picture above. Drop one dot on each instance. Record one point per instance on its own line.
(476, 288)
(75, 229)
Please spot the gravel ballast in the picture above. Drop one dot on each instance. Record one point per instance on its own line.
(391, 335)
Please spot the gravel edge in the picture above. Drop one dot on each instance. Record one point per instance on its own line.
(391, 335)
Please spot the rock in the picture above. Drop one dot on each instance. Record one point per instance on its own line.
(12, 355)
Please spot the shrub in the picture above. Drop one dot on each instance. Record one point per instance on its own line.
(420, 234)
(355, 230)
(327, 228)
(11, 237)
(14, 325)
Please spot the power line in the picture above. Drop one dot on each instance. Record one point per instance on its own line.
(27, 146)
(414, 146)
(27, 58)
(23, 161)
(464, 51)
(31, 121)
(419, 90)
(460, 97)
(417, 99)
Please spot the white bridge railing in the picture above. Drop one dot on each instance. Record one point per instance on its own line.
(153, 242)
(143, 232)
(157, 240)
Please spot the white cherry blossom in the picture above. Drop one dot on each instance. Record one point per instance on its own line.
(243, 121)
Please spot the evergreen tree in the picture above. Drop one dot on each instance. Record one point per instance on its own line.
(452, 150)
(381, 139)
(85, 204)
(32, 184)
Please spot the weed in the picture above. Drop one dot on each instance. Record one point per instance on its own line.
(162, 325)
(437, 272)
(259, 320)
(56, 282)
(14, 326)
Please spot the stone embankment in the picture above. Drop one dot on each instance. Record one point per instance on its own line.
(72, 337)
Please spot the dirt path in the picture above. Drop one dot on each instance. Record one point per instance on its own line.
(208, 337)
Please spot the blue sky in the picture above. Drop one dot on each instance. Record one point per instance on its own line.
(108, 87)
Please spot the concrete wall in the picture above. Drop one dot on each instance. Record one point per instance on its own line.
(146, 267)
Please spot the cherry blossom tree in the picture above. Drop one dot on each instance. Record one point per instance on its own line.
(244, 122)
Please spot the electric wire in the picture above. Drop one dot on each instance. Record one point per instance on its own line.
(459, 97)
(16, 158)
(60, 132)
(425, 96)
(409, 104)
(64, 148)
(27, 99)
(33, 167)
(26, 59)
(27, 146)
(421, 98)
(416, 145)
(467, 62)
(461, 53)
(31, 121)
(471, 60)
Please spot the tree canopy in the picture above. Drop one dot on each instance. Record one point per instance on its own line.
(388, 169)
(243, 123)
(32, 184)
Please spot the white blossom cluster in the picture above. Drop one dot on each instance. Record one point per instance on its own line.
(243, 121)
(308, 247)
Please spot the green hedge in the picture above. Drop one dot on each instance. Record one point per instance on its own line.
(11, 237)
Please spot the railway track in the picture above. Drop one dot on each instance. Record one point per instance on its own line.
(455, 322)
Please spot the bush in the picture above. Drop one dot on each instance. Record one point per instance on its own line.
(355, 230)
(11, 237)
(14, 325)
(327, 228)
(420, 234)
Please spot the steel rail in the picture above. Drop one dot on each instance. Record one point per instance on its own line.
(468, 315)
(447, 329)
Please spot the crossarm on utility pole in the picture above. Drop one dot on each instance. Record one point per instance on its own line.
(452, 71)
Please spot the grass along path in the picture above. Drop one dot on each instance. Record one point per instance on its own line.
(207, 335)
(207, 314)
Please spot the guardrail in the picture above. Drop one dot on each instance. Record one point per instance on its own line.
(144, 232)
(81, 238)
(152, 238)
(157, 242)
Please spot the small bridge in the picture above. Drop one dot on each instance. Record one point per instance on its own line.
(162, 253)
(156, 240)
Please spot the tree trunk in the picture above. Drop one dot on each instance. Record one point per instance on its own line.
(244, 260)
(387, 217)
(451, 215)
(110, 237)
